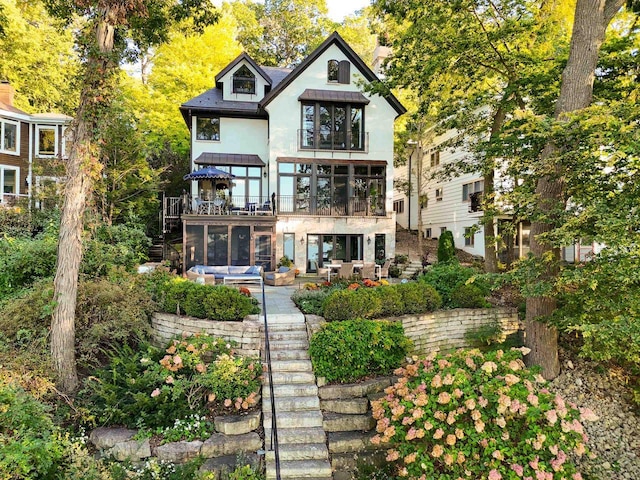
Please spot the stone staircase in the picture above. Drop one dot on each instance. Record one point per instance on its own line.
(302, 445)
(412, 267)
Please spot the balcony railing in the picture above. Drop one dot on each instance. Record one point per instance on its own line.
(312, 140)
(285, 205)
(475, 202)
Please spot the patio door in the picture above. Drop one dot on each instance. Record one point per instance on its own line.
(262, 245)
(240, 245)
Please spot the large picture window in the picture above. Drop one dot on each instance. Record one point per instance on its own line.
(244, 81)
(208, 128)
(9, 137)
(329, 126)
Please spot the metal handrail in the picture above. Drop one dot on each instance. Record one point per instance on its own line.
(267, 348)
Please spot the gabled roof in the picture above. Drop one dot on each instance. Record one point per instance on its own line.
(11, 108)
(243, 56)
(336, 39)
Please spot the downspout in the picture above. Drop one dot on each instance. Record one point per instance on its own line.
(30, 171)
(409, 202)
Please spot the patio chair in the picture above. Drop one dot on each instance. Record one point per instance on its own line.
(368, 271)
(282, 276)
(346, 270)
(384, 270)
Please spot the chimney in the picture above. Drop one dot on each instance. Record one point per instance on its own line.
(6, 93)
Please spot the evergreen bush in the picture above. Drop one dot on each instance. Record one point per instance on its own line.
(468, 296)
(446, 248)
(349, 304)
(419, 297)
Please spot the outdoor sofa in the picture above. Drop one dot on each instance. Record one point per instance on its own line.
(212, 274)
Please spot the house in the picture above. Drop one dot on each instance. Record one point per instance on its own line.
(295, 162)
(28, 145)
(456, 205)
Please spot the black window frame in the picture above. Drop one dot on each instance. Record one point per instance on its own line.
(215, 134)
(314, 141)
(243, 81)
(333, 70)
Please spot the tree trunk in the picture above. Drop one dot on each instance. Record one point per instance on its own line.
(592, 18)
(82, 165)
(488, 200)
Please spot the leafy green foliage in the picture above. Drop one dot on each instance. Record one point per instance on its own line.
(480, 413)
(349, 350)
(418, 297)
(30, 445)
(310, 301)
(446, 248)
(153, 388)
(349, 304)
(179, 296)
(468, 296)
(446, 277)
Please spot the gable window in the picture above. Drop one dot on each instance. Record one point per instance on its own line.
(47, 138)
(435, 158)
(244, 81)
(208, 128)
(332, 126)
(9, 137)
(332, 71)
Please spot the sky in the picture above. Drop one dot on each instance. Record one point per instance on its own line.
(338, 9)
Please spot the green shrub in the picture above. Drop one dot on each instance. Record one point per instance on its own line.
(391, 301)
(114, 245)
(419, 297)
(310, 301)
(349, 304)
(485, 335)
(394, 271)
(474, 415)
(468, 296)
(446, 248)
(30, 445)
(227, 304)
(153, 388)
(447, 277)
(352, 349)
(23, 261)
(108, 314)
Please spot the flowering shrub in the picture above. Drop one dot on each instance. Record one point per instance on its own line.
(194, 427)
(481, 416)
(191, 376)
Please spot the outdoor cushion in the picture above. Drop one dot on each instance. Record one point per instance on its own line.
(283, 269)
(270, 276)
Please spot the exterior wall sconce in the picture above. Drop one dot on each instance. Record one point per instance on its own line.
(368, 240)
(301, 240)
(264, 174)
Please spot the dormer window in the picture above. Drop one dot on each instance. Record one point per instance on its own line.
(244, 81)
(332, 71)
(339, 72)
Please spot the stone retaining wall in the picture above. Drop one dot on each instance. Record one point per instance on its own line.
(248, 333)
(446, 329)
(235, 437)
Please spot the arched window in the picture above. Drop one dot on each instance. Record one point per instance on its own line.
(244, 81)
(333, 66)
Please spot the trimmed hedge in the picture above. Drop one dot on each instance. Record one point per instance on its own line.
(391, 300)
(352, 349)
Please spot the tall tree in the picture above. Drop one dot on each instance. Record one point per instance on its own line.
(281, 33)
(108, 24)
(468, 72)
(38, 58)
(591, 20)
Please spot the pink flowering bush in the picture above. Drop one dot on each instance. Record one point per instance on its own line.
(478, 415)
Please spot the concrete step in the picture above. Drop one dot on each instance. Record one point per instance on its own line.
(301, 451)
(295, 436)
(291, 366)
(298, 469)
(292, 404)
(289, 335)
(288, 345)
(301, 390)
(283, 319)
(284, 420)
(289, 354)
(287, 378)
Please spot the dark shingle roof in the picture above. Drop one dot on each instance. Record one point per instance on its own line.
(333, 96)
(208, 158)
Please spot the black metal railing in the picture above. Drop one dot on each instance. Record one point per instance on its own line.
(267, 350)
(316, 140)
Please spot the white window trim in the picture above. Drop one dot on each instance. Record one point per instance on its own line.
(4, 121)
(55, 146)
(3, 168)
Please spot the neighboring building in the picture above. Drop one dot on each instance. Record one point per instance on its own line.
(303, 164)
(28, 143)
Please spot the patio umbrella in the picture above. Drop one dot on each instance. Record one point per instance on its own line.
(208, 173)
